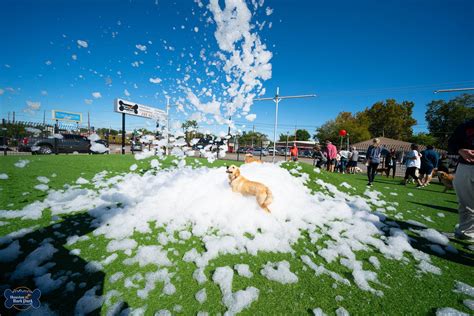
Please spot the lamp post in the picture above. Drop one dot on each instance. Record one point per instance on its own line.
(277, 98)
(453, 90)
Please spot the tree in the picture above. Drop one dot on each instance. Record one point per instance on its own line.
(252, 139)
(190, 127)
(443, 117)
(424, 139)
(391, 119)
(357, 127)
(302, 135)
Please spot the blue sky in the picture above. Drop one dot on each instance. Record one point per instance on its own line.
(350, 53)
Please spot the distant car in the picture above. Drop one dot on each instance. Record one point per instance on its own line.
(65, 143)
(259, 151)
(136, 146)
(270, 151)
(243, 150)
(281, 151)
(362, 156)
(306, 154)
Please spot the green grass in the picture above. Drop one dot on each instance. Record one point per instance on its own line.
(406, 291)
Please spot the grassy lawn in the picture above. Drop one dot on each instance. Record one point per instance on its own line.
(406, 291)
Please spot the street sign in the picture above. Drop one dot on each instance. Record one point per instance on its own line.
(132, 108)
(67, 116)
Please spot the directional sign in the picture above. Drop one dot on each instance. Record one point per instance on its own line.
(132, 108)
(67, 116)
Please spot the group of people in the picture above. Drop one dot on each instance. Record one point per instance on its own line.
(334, 160)
(420, 166)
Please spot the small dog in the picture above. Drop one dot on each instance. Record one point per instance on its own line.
(357, 170)
(250, 158)
(446, 179)
(247, 187)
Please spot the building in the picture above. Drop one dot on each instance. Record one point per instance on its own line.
(389, 143)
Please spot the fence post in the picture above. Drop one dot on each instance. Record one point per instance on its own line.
(261, 149)
(4, 128)
(56, 131)
(237, 142)
(286, 146)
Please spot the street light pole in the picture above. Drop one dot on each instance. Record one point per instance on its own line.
(454, 90)
(277, 98)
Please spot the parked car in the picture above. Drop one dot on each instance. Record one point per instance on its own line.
(270, 151)
(362, 156)
(136, 146)
(281, 151)
(306, 154)
(259, 151)
(243, 150)
(66, 143)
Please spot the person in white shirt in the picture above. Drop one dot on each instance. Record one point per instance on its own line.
(344, 154)
(413, 163)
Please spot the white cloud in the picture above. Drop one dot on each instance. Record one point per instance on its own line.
(88, 101)
(251, 117)
(82, 43)
(268, 11)
(96, 95)
(155, 80)
(126, 92)
(196, 29)
(141, 47)
(74, 57)
(48, 62)
(31, 107)
(212, 107)
(2, 91)
(44, 92)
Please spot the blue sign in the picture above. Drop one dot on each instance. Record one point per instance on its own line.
(22, 298)
(67, 116)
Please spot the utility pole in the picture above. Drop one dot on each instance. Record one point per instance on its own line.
(88, 122)
(277, 98)
(44, 117)
(13, 117)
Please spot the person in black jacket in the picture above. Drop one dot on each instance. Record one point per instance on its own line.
(462, 143)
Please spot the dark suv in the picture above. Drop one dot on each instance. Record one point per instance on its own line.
(69, 143)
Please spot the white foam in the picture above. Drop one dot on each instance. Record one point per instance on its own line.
(279, 271)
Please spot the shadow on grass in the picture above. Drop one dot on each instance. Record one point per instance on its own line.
(67, 267)
(437, 207)
(423, 244)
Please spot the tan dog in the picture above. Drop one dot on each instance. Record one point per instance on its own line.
(250, 158)
(247, 187)
(446, 179)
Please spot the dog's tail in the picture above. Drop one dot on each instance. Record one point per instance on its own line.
(268, 200)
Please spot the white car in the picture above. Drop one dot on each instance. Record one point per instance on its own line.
(258, 151)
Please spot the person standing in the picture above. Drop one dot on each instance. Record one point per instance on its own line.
(294, 153)
(353, 158)
(391, 163)
(373, 159)
(462, 143)
(331, 155)
(344, 154)
(429, 162)
(318, 156)
(413, 163)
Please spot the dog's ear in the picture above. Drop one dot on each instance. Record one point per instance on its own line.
(237, 172)
(227, 167)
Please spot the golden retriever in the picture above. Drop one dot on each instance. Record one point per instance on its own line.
(446, 179)
(250, 158)
(246, 187)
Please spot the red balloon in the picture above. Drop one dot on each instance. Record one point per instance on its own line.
(342, 132)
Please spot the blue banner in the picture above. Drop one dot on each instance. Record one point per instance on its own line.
(67, 116)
